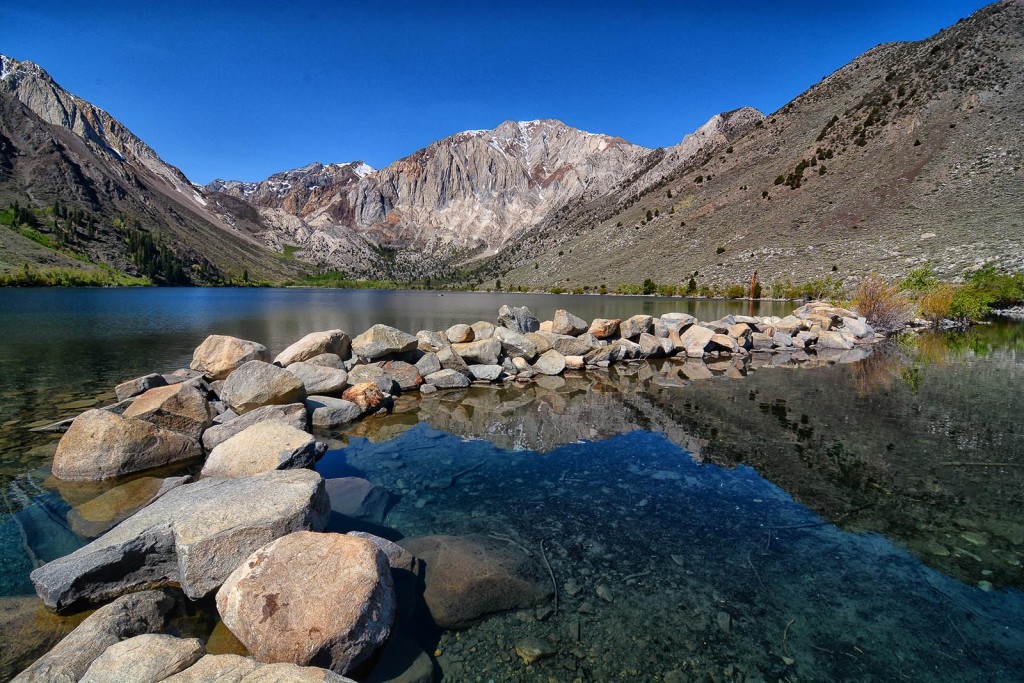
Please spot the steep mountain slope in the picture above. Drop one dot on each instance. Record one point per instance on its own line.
(910, 153)
(460, 196)
(119, 203)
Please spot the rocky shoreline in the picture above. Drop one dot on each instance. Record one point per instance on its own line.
(251, 529)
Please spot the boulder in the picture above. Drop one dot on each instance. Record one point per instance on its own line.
(541, 339)
(398, 557)
(328, 360)
(315, 344)
(366, 395)
(107, 510)
(520, 364)
(460, 334)
(633, 327)
(231, 668)
(627, 349)
(482, 330)
(694, 340)
(139, 385)
(362, 374)
(470, 577)
(406, 375)
(340, 623)
(447, 379)
(450, 360)
(677, 320)
(327, 412)
(604, 328)
(382, 340)
(220, 355)
(855, 326)
(126, 617)
(551, 362)
(518, 319)
(180, 408)
(781, 339)
(293, 413)
(257, 384)
(571, 346)
(265, 446)
(483, 352)
(402, 661)
(146, 658)
(650, 346)
(427, 364)
(574, 363)
(358, 498)
(514, 344)
(193, 536)
(723, 342)
(319, 379)
(833, 340)
(102, 445)
(565, 322)
(486, 373)
(739, 331)
(429, 341)
(759, 341)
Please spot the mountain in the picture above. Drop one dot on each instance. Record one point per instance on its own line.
(912, 153)
(459, 197)
(101, 196)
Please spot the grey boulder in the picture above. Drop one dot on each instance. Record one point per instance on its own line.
(517, 319)
(315, 344)
(319, 379)
(327, 412)
(565, 322)
(220, 355)
(293, 413)
(257, 384)
(146, 658)
(382, 340)
(265, 446)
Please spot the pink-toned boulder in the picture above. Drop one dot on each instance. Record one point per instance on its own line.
(219, 355)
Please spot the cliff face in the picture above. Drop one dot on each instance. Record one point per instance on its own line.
(58, 149)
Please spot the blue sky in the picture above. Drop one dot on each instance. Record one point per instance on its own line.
(242, 90)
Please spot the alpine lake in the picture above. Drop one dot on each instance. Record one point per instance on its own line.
(848, 521)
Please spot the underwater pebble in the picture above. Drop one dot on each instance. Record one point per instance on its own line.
(605, 593)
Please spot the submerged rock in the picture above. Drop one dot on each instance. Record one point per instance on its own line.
(341, 623)
(257, 384)
(315, 344)
(126, 617)
(265, 446)
(146, 658)
(102, 445)
(231, 668)
(219, 355)
(470, 577)
(358, 498)
(194, 536)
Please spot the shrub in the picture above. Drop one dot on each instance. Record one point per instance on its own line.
(919, 279)
(937, 304)
(691, 286)
(883, 304)
(720, 250)
(649, 287)
(736, 291)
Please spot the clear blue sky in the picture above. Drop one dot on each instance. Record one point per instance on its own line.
(242, 90)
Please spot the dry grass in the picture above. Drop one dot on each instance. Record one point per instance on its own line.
(936, 304)
(883, 304)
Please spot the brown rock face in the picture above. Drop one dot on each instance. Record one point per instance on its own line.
(469, 577)
(102, 445)
(181, 408)
(280, 619)
(604, 328)
(366, 395)
(219, 355)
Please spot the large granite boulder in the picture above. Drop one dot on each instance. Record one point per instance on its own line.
(633, 327)
(428, 363)
(382, 340)
(358, 498)
(219, 355)
(361, 374)
(256, 384)
(146, 658)
(313, 345)
(327, 412)
(565, 322)
(139, 385)
(568, 345)
(483, 352)
(265, 446)
(834, 340)
(229, 668)
(460, 334)
(515, 344)
(518, 319)
(181, 408)
(319, 379)
(103, 445)
(447, 379)
(193, 536)
(551, 362)
(486, 373)
(858, 327)
(406, 375)
(428, 341)
(695, 339)
(341, 622)
(294, 414)
(604, 328)
(126, 617)
(450, 360)
(470, 577)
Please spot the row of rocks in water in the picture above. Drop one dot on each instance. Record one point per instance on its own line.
(252, 528)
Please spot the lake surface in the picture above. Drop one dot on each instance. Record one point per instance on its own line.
(853, 521)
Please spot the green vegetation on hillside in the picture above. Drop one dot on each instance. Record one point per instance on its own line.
(29, 276)
(337, 279)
